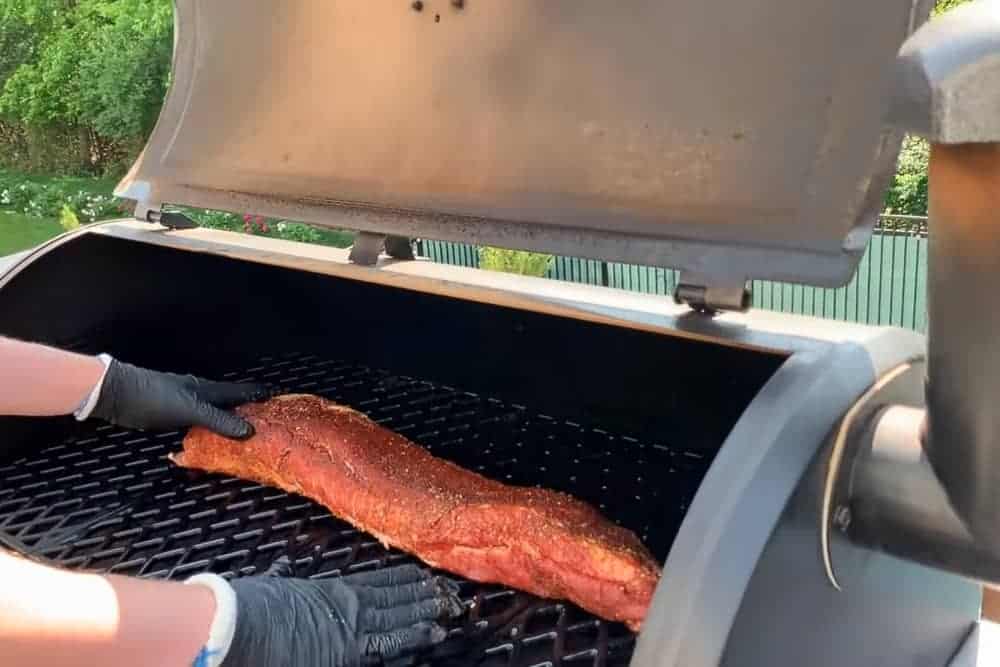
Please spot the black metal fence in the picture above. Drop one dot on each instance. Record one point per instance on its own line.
(889, 287)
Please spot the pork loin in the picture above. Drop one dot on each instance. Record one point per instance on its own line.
(536, 540)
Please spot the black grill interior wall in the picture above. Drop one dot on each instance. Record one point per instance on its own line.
(190, 312)
(626, 421)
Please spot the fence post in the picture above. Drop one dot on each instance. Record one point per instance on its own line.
(604, 274)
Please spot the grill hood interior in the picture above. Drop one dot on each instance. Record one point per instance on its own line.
(729, 140)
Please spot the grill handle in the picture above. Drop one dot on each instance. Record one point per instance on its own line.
(962, 437)
(899, 506)
(947, 89)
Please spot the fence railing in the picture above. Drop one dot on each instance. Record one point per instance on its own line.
(889, 287)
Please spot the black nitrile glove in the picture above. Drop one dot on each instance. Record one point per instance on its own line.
(149, 400)
(369, 618)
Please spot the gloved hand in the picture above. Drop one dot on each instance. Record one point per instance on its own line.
(369, 618)
(149, 400)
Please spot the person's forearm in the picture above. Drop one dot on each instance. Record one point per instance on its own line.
(62, 619)
(37, 380)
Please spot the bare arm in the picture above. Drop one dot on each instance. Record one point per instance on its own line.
(62, 619)
(65, 619)
(37, 380)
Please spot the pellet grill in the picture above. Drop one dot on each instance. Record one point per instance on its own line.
(821, 493)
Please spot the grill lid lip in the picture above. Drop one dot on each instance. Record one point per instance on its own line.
(565, 127)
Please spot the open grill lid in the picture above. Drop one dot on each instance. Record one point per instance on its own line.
(731, 140)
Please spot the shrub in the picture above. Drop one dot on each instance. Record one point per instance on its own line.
(229, 222)
(907, 195)
(941, 6)
(514, 261)
(68, 219)
(48, 200)
(261, 226)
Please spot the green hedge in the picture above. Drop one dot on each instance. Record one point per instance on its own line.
(88, 199)
(84, 200)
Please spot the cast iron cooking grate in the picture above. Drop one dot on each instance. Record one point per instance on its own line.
(107, 499)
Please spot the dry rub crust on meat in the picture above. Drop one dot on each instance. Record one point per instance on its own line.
(536, 540)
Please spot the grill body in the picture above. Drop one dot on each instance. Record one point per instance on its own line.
(705, 437)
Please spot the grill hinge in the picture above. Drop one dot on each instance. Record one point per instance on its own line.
(711, 299)
(151, 213)
(368, 246)
(170, 219)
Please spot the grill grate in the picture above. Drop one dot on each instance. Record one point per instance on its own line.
(106, 499)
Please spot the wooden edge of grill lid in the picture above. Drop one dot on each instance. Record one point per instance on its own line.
(732, 141)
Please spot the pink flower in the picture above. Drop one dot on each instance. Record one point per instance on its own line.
(247, 218)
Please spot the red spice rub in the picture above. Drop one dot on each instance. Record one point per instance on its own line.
(540, 541)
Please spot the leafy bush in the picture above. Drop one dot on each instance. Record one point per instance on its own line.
(48, 200)
(229, 222)
(81, 81)
(65, 200)
(68, 219)
(93, 207)
(261, 226)
(941, 6)
(514, 261)
(16, 196)
(907, 195)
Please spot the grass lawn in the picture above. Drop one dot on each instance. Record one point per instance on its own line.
(20, 232)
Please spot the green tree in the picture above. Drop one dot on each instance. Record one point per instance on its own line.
(24, 25)
(907, 195)
(89, 72)
(125, 70)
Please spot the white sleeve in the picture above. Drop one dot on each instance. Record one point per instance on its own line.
(83, 411)
(220, 635)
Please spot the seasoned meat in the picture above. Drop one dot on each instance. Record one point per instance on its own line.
(539, 541)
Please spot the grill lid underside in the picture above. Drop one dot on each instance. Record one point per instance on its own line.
(729, 140)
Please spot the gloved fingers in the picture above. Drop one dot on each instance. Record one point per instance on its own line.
(385, 620)
(282, 567)
(386, 646)
(230, 394)
(386, 597)
(224, 423)
(389, 576)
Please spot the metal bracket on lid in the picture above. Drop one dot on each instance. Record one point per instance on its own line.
(170, 219)
(710, 300)
(150, 211)
(368, 246)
